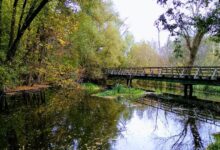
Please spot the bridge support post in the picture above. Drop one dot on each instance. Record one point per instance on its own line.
(185, 90)
(129, 82)
(188, 90)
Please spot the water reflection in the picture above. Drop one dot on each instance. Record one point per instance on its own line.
(75, 120)
(13, 102)
(68, 120)
(159, 125)
(176, 89)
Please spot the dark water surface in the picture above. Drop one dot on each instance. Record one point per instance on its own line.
(74, 120)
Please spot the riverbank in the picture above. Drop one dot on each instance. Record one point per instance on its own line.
(18, 89)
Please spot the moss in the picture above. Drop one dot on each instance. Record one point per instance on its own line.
(121, 91)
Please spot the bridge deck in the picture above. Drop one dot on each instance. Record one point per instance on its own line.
(186, 75)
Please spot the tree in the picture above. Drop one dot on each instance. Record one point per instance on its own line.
(46, 46)
(190, 20)
(23, 24)
(1, 24)
(39, 48)
(97, 40)
(142, 55)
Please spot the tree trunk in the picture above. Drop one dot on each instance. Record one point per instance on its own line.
(195, 133)
(193, 46)
(13, 20)
(1, 30)
(192, 57)
(22, 15)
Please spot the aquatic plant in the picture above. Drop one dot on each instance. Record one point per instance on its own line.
(122, 91)
(90, 87)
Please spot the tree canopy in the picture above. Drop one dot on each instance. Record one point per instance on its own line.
(64, 42)
(191, 20)
(58, 41)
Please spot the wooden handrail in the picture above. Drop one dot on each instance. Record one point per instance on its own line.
(196, 72)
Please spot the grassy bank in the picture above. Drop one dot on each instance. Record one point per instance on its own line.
(216, 145)
(155, 85)
(120, 90)
(207, 89)
(90, 87)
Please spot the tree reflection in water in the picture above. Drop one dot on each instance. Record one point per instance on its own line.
(189, 126)
(75, 120)
(65, 120)
(189, 123)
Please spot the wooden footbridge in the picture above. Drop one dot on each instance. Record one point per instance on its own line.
(188, 76)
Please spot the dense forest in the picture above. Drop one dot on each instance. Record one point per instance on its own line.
(63, 42)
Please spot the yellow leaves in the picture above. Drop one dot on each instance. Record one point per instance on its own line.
(42, 71)
(49, 46)
(142, 54)
(62, 42)
(60, 75)
(75, 27)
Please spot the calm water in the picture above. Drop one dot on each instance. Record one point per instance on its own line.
(74, 120)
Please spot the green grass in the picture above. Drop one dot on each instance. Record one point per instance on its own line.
(208, 89)
(90, 87)
(216, 145)
(120, 90)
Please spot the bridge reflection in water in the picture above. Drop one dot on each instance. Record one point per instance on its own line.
(188, 76)
(69, 119)
(193, 114)
(201, 110)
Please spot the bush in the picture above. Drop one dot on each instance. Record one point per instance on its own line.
(8, 77)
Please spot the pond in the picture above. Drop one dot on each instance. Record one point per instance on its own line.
(74, 120)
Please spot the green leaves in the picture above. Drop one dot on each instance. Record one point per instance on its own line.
(190, 20)
(178, 49)
(216, 145)
(97, 40)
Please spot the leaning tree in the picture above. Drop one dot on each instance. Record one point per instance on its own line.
(190, 20)
(26, 17)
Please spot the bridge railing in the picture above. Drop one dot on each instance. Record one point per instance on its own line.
(212, 73)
